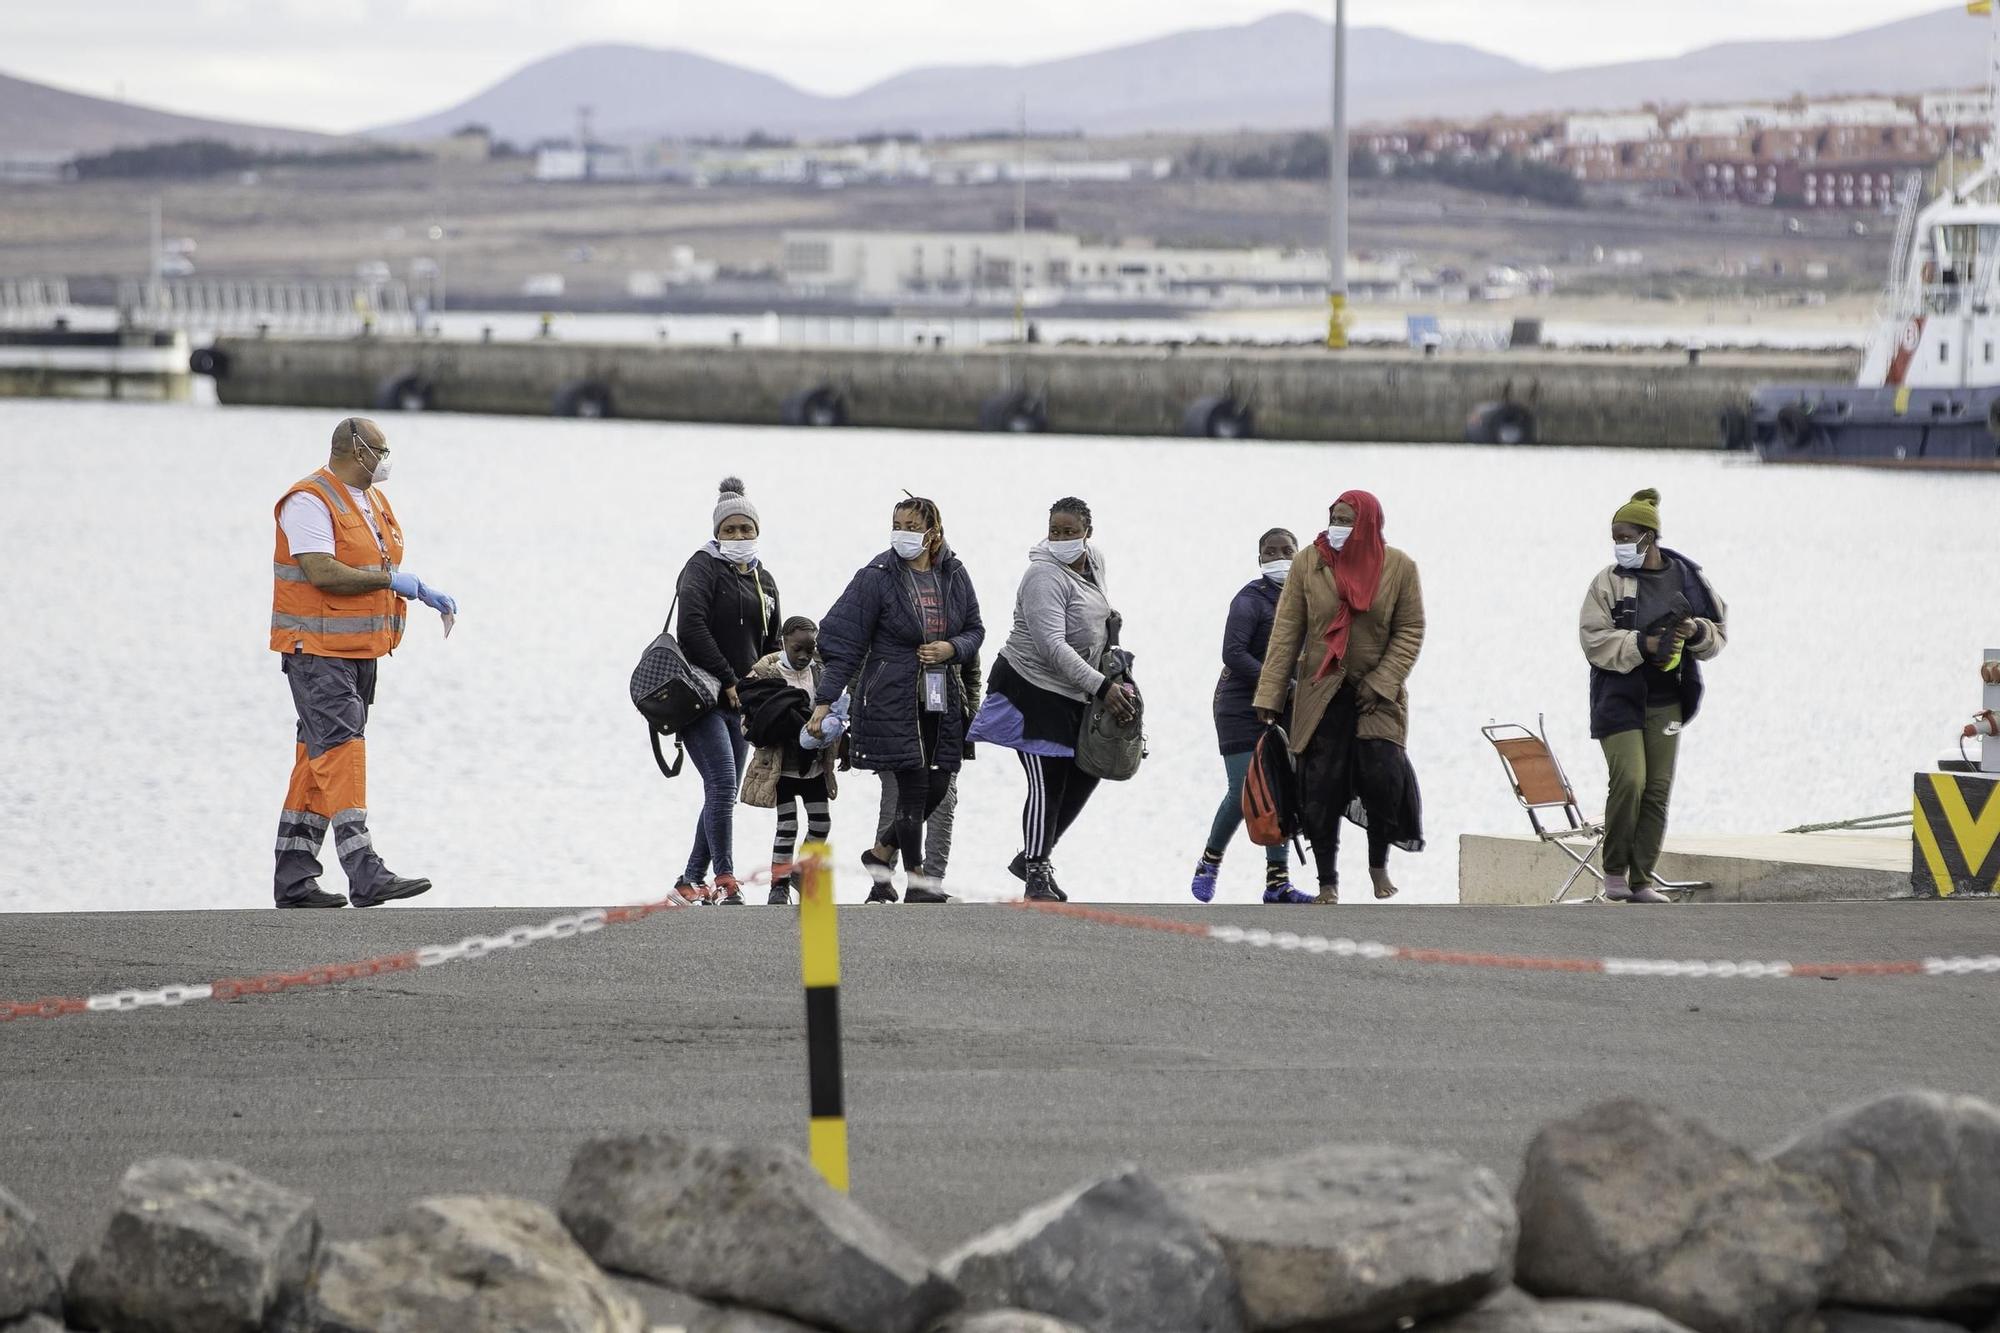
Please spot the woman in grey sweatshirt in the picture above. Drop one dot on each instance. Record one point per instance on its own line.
(1043, 680)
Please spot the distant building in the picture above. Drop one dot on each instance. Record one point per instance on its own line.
(28, 167)
(1620, 128)
(1969, 108)
(971, 267)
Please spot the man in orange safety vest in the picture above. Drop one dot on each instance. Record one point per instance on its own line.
(338, 598)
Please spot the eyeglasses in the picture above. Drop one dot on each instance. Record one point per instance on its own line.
(356, 440)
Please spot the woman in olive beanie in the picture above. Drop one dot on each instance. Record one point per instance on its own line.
(1649, 620)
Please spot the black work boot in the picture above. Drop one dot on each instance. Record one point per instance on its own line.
(1042, 884)
(399, 887)
(314, 896)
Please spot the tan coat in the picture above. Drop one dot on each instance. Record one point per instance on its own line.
(767, 762)
(1382, 647)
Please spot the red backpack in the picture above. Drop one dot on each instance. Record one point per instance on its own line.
(1271, 791)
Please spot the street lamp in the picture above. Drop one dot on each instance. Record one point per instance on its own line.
(1336, 315)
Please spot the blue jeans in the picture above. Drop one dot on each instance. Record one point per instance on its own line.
(720, 752)
(1229, 815)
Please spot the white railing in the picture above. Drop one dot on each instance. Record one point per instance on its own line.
(204, 306)
(32, 302)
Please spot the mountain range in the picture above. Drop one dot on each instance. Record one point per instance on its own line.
(1269, 74)
(37, 117)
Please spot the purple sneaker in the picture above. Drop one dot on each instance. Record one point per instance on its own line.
(1203, 887)
(1283, 892)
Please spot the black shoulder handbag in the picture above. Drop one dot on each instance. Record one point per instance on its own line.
(671, 693)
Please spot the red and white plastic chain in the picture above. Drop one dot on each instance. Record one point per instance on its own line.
(1370, 950)
(587, 922)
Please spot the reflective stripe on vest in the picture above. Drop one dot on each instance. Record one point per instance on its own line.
(336, 624)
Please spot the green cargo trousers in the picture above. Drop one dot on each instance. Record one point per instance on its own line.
(1642, 782)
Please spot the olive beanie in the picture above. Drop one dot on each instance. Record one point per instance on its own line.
(1642, 510)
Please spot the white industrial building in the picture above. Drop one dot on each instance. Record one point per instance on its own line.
(1968, 108)
(1702, 122)
(970, 266)
(1615, 128)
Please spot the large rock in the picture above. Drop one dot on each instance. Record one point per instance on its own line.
(29, 1282)
(1357, 1237)
(1836, 1320)
(1630, 1202)
(195, 1247)
(1917, 1175)
(745, 1321)
(1006, 1321)
(751, 1226)
(34, 1323)
(1517, 1312)
(1117, 1256)
(478, 1264)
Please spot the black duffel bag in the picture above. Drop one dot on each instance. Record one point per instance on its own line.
(671, 693)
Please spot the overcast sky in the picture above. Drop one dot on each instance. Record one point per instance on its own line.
(347, 64)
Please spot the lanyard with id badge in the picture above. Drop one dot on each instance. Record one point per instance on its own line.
(934, 690)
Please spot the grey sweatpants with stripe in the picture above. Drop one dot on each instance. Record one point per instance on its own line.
(937, 830)
(329, 777)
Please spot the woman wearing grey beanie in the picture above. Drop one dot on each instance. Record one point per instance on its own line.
(729, 619)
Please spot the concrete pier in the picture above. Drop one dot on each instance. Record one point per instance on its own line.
(1649, 399)
(1749, 868)
(65, 363)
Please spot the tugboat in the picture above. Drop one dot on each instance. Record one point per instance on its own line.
(1929, 390)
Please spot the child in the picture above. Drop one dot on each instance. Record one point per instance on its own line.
(790, 765)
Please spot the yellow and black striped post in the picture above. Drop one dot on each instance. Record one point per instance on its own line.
(1957, 822)
(819, 962)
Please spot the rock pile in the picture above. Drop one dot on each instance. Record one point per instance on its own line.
(1882, 1218)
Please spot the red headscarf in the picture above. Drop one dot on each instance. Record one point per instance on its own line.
(1357, 573)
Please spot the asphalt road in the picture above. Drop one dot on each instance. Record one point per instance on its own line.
(994, 1056)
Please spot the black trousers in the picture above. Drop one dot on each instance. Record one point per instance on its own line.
(1337, 769)
(919, 792)
(1057, 793)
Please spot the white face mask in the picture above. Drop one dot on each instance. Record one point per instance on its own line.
(1628, 555)
(1337, 536)
(380, 472)
(907, 545)
(738, 553)
(1277, 570)
(1068, 552)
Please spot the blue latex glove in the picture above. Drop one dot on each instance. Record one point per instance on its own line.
(409, 585)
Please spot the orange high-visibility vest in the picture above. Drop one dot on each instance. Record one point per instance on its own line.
(305, 619)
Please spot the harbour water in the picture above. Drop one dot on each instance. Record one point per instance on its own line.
(145, 733)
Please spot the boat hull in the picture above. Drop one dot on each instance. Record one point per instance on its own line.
(1951, 429)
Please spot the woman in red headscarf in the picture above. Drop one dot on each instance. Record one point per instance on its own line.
(1350, 625)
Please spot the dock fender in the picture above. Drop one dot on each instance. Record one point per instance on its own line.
(1734, 425)
(1796, 427)
(1219, 416)
(1504, 422)
(209, 361)
(1016, 411)
(822, 405)
(407, 391)
(582, 398)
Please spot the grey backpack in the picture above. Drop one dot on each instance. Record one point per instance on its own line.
(1107, 748)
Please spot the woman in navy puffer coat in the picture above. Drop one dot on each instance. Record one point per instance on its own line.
(1244, 639)
(892, 641)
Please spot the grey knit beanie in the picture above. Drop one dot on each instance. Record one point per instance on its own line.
(732, 504)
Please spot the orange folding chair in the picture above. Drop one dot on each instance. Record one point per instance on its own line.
(1542, 787)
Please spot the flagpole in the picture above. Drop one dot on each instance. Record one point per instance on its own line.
(1336, 250)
